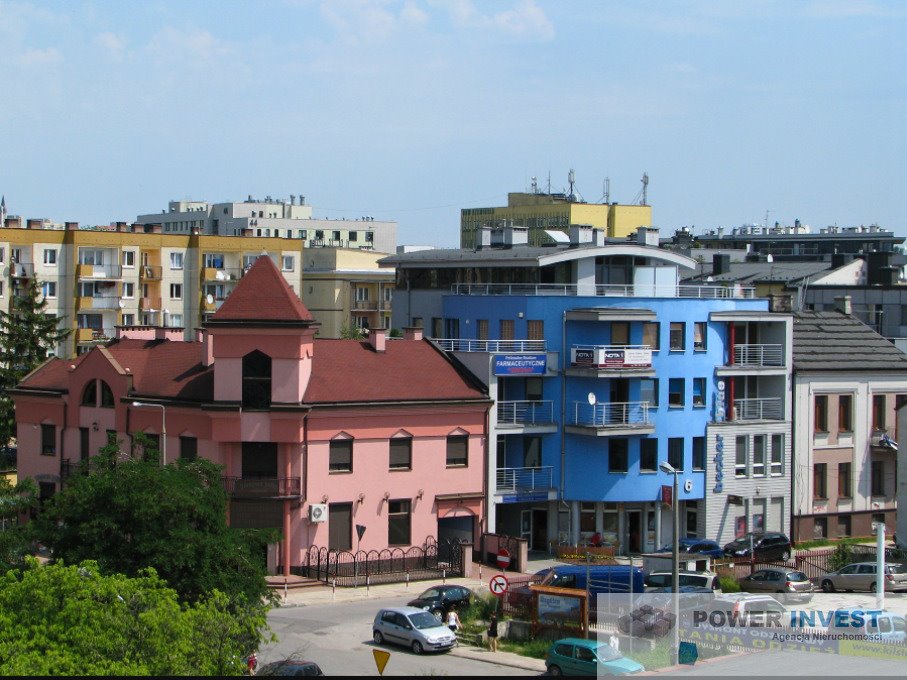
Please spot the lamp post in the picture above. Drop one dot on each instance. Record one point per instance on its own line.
(675, 555)
(140, 404)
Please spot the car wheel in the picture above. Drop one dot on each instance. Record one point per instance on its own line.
(555, 670)
(785, 555)
(828, 586)
(378, 637)
(438, 614)
(417, 647)
(872, 587)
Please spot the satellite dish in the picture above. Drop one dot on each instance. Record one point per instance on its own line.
(209, 299)
(121, 304)
(592, 398)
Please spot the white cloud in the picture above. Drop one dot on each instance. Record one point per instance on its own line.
(111, 42)
(37, 57)
(369, 19)
(172, 43)
(524, 21)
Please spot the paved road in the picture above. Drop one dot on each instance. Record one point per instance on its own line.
(797, 664)
(338, 635)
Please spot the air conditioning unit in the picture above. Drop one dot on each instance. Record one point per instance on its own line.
(318, 512)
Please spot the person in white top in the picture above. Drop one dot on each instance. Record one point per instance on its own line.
(453, 622)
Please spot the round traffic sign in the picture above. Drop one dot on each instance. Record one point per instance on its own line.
(498, 585)
(503, 558)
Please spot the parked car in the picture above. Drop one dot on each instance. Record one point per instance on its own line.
(290, 667)
(862, 576)
(884, 626)
(413, 628)
(441, 599)
(664, 579)
(766, 546)
(779, 580)
(603, 578)
(743, 606)
(702, 546)
(575, 656)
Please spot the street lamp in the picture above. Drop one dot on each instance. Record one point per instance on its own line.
(140, 404)
(675, 555)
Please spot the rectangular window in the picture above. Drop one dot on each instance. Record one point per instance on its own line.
(319, 235)
(361, 294)
(759, 455)
(482, 329)
(699, 334)
(821, 412)
(49, 289)
(188, 448)
(699, 453)
(535, 329)
(777, 455)
(844, 480)
(176, 260)
(741, 453)
(820, 527)
(698, 391)
(878, 478)
(128, 258)
(341, 456)
(845, 413)
(214, 260)
(335, 235)
(398, 522)
(48, 439)
(176, 291)
(128, 290)
(820, 474)
(675, 392)
(648, 455)
(533, 389)
(457, 450)
(617, 454)
(401, 453)
(587, 517)
(175, 321)
(878, 412)
(648, 391)
(50, 256)
(128, 319)
(506, 329)
(676, 339)
(354, 236)
(675, 452)
(620, 333)
(288, 263)
(650, 334)
(340, 526)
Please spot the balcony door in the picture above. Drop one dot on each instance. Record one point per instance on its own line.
(620, 390)
(259, 460)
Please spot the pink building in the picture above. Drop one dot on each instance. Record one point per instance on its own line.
(315, 436)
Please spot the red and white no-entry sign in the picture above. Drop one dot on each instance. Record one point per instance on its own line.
(498, 585)
(503, 558)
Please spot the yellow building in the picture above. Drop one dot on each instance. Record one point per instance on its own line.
(345, 287)
(539, 212)
(95, 279)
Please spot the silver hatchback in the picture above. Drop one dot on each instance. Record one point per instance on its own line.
(862, 576)
(413, 628)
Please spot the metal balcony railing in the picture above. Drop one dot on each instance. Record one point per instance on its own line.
(514, 479)
(263, 487)
(150, 272)
(509, 346)
(525, 412)
(86, 272)
(611, 414)
(767, 408)
(609, 290)
(758, 355)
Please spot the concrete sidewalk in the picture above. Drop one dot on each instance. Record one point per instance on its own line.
(326, 594)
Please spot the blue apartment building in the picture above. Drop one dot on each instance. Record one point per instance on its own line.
(602, 366)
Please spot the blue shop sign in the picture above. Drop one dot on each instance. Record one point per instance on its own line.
(524, 497)
(520, 364)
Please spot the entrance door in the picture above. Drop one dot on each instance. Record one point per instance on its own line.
(340, 526)
(634, 531)
(539, 530)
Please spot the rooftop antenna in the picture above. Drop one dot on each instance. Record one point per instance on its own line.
(606, 191)
(571, 180)
(535, 184)
(645, 189)
(549, 182)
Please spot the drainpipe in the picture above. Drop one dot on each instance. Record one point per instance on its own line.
(62, 443)
(563, 480)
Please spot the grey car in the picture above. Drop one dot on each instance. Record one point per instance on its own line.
(411, 627)
(862, 576)
(779, 580)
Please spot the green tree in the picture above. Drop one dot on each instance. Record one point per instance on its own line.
(348, 332)
(14, 537)
(132, 513)
(76, 620)
(27, 337)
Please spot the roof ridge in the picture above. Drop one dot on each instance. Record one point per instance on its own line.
(263, 294)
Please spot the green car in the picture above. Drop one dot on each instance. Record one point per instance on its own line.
(575, 656)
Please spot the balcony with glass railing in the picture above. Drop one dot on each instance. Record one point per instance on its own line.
(619, 417)
(512, 480)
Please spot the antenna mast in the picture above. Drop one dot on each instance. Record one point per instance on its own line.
(645, 189)
(607, 190)
(571, 177)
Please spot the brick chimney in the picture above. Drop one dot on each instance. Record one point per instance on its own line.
(377, 338)
(33, 224)
(71, 226)
(412, 333)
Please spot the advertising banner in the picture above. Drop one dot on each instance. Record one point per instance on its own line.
(520, 364)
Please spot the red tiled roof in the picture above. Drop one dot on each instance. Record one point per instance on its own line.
(263, 295)
(351, 371)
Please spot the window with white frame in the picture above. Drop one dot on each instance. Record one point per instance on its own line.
(388, 294)
(176, 291)
(129, 319)
(288, 263)
(740, 455)
(361, 294)
(777, 459)
(128, 258)
(2, 254)
(214, 260)
(175, 321)
(128, 290)
(176, 260)
(50, 257)
(49, 289)
(91, 256)
(759, 455)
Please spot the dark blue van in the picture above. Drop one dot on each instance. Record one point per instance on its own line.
(612, 578)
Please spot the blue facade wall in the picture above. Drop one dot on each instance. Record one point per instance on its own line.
(587, 476)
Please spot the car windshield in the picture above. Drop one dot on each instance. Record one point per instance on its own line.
(423, 620)
(796, 576)
(607, 653)
(896, 569)
(430, 594)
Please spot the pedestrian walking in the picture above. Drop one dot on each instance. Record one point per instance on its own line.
(493, 632)
(252, 663)
(453, 622)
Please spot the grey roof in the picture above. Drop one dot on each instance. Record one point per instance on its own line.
(832, 341)
(761, 272)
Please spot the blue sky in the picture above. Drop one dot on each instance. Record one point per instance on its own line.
(411, 110)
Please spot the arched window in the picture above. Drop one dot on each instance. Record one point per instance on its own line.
(90, 394)
(106, 395)
(256, 380)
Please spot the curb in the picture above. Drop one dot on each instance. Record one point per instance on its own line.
(493, 658)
